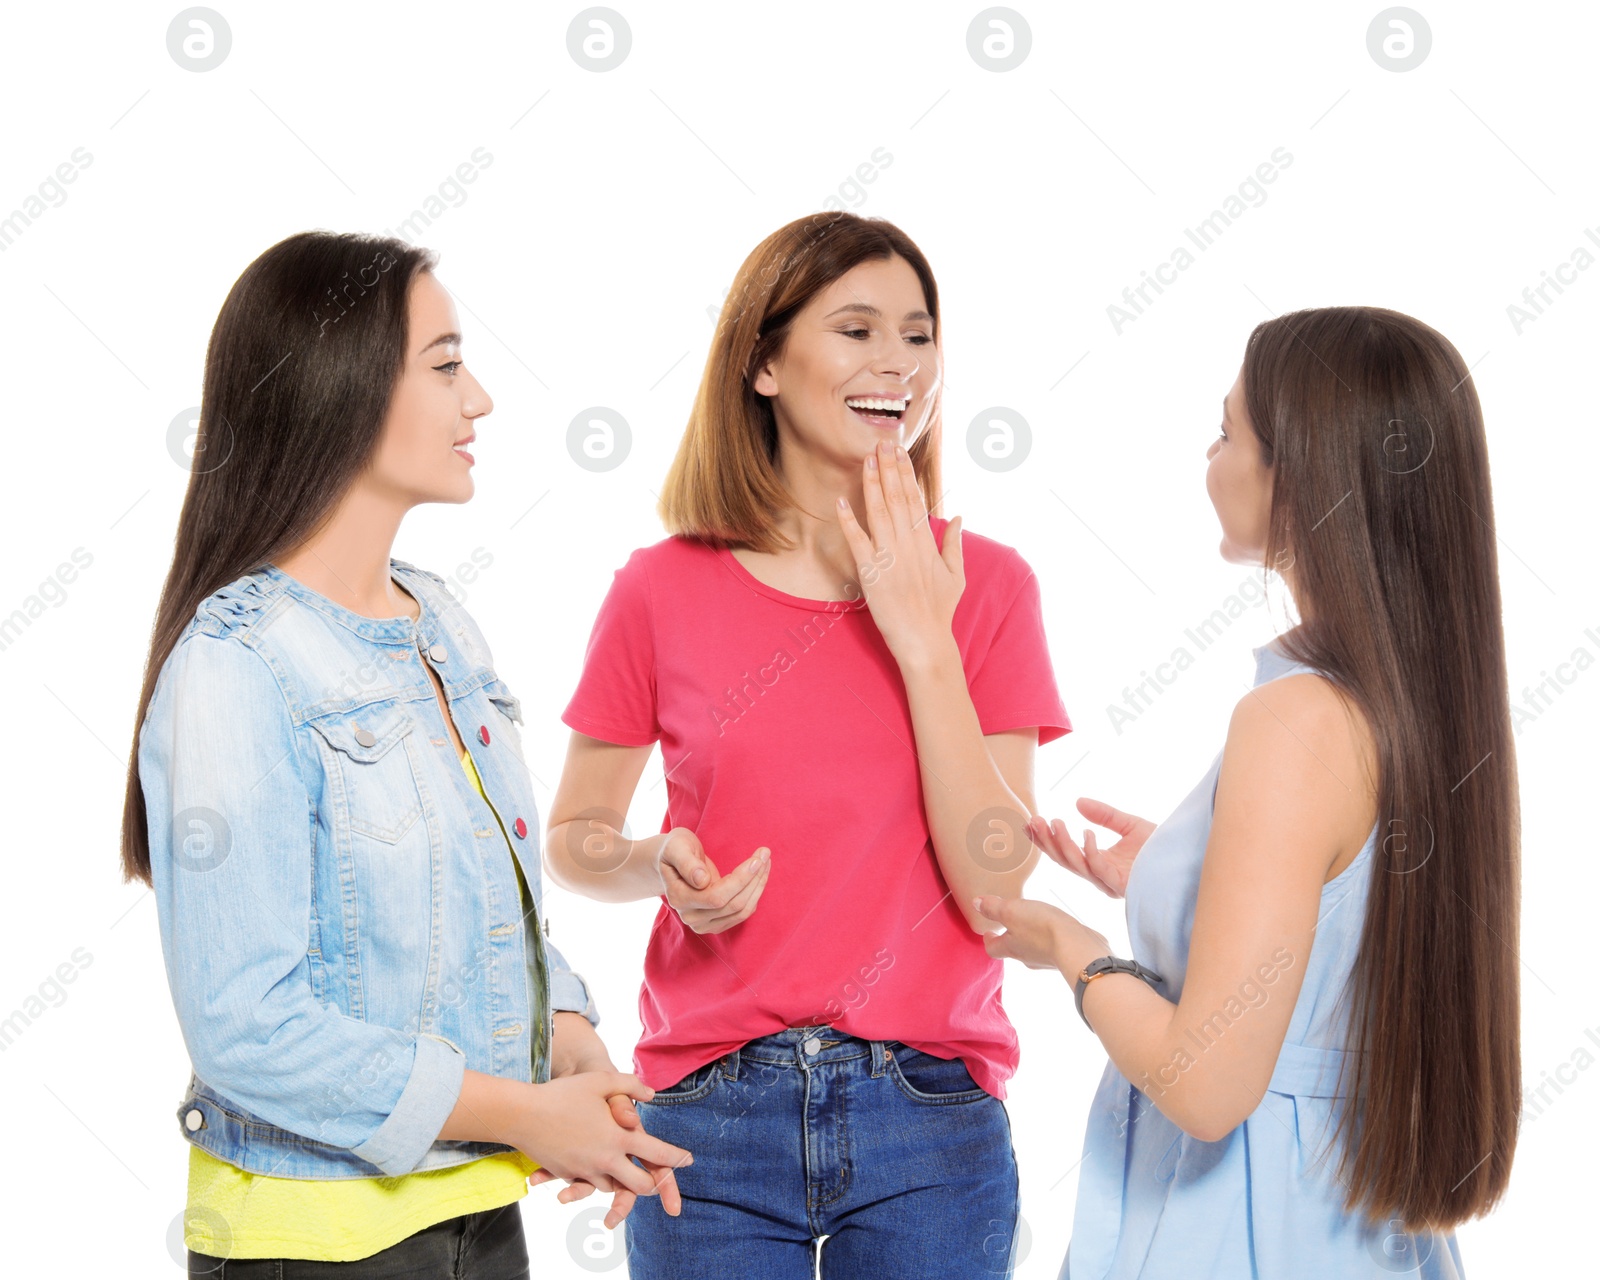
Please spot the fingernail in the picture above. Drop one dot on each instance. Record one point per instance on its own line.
(872, 462)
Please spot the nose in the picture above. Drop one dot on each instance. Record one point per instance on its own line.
(1212, 451)
(896, 360)
(476, 402)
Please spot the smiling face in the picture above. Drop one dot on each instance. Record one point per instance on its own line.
(860, 364)
(421, 454)
(1240, 483)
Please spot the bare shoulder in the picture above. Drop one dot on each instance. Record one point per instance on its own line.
(1305, 738)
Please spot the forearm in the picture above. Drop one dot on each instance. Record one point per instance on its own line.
(491, 1109)
(1141, 1033)
(975, 819)
(591, 857)
(577, 1046)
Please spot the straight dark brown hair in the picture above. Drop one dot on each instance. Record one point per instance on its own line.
(723, 486)
(1381, 504)
(301, 366)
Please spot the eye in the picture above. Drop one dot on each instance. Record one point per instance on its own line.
(449, 367)
(921, 339)
(853, 333)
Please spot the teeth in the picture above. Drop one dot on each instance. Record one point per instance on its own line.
(877, 403)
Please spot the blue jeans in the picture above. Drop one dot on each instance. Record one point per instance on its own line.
(894, 1155)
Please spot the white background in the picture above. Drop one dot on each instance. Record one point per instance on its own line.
(588, 259)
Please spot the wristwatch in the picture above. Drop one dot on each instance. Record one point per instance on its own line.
(1104, 965)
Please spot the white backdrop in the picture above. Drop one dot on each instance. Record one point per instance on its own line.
(590, 215)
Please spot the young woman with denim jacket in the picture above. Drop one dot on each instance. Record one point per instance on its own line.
(329, 797)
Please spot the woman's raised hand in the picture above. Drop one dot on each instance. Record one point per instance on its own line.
(1107, 869)
(912, 586)
(705, 899)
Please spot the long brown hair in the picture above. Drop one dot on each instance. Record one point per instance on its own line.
(300, 369)
(723, 485)
(1372, 428)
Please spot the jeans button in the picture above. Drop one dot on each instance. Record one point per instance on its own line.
(812, 1045)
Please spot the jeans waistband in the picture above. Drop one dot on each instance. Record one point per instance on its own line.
(806, 1047)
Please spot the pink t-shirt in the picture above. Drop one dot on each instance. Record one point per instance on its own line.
(784, 722)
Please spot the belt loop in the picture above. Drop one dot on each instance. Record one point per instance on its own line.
(730, 1064)
(879, 1064)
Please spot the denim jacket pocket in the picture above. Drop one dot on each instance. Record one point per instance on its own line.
(375, 773)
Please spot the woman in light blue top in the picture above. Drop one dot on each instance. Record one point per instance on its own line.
(1314, 1066)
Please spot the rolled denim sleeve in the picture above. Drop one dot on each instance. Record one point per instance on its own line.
(232, 831)
(568, 990)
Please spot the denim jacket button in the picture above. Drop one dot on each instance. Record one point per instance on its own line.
(193, 1120)
(365, 737)
(483, 734)
(438, 653)
(521, 828)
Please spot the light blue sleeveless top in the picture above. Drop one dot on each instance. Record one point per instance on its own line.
(1264, 1201)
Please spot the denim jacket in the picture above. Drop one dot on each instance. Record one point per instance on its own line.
(342, 927)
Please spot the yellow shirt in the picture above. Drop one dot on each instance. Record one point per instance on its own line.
(235, 1214)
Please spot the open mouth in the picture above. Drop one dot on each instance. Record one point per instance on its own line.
(880, 411)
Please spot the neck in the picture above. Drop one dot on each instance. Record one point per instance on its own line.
(347, 560)
(811, 523)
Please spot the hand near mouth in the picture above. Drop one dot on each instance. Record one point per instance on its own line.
(912, 586)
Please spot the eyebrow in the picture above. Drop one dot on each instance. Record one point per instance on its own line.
(867, 309)
(444, 339)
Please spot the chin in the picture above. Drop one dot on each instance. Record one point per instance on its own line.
(455, 494)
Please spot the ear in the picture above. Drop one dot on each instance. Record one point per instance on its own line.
(765, 382)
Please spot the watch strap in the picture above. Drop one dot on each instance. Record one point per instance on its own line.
(1105, 965)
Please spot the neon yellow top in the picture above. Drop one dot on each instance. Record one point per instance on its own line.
(235, 1214)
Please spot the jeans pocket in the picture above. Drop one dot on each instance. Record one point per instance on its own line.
(922, 1077)
(693, 1087)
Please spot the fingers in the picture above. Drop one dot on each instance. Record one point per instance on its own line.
(732, 900)
(858, 538)
(916, 507)
(1052, 837)
(742, 903)
(627, 1176)
(991, 906)
(623, 1111)
(576, 1190)
(688, 861)
(1113, 819)
(612, 1083)
(666, 1188)
(652, 1149)
(1107, 872)
(880, 522)
(620, 1204)
(893, 479)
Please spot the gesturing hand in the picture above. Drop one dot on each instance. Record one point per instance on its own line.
(1106, 869)
(705, 899)
(911, 585)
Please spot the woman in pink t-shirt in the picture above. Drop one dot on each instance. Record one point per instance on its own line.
(848, 694)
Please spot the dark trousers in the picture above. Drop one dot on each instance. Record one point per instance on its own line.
(478, 1246)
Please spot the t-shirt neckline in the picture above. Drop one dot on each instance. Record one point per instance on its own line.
(783, 597)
